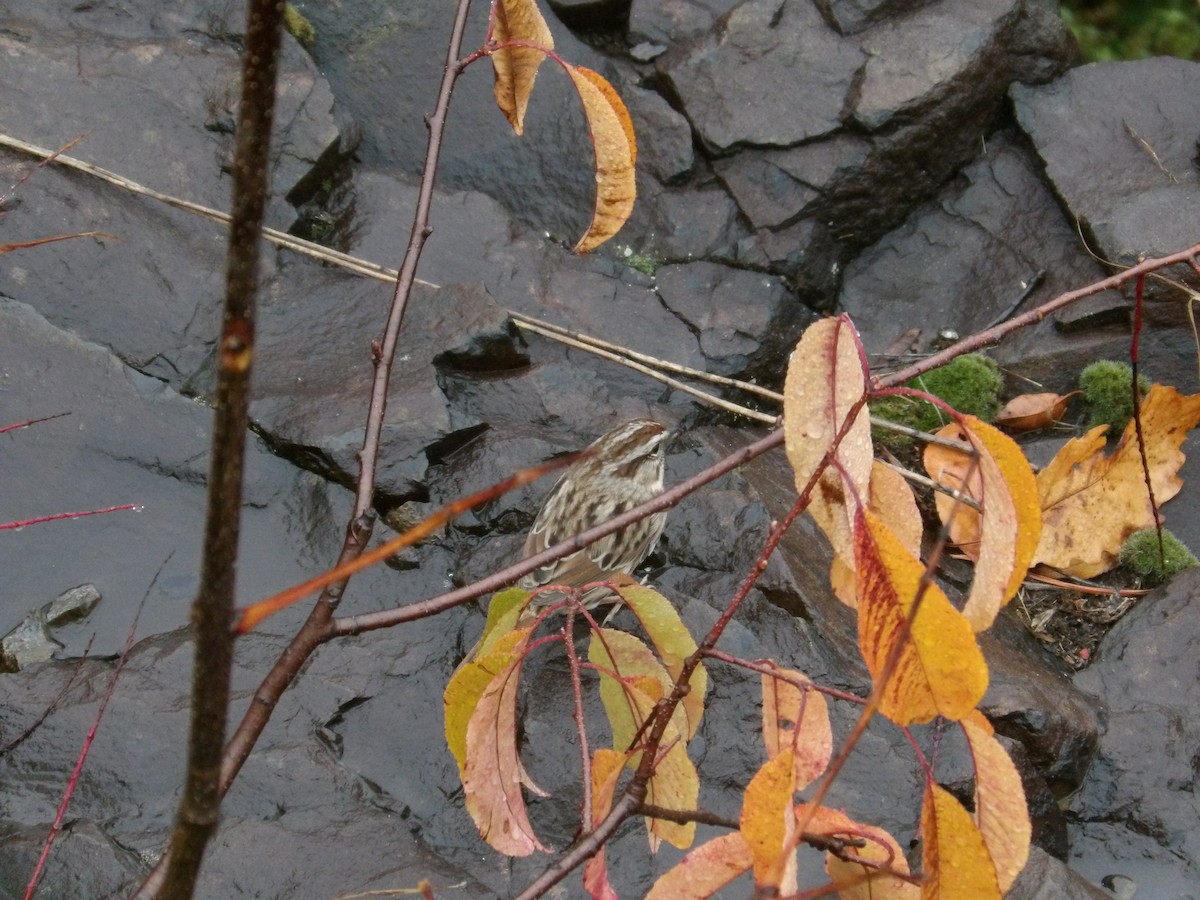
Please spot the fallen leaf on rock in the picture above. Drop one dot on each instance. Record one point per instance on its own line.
(1091, 502)
(1030, 411)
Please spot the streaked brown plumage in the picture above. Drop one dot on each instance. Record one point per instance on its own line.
(620, 470)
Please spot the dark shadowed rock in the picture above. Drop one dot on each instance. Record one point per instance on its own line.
(746, 322)
(1118, 142)
(1135, 812)
(1046, 878)
(762, 43)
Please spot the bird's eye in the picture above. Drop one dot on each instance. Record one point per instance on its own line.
(655, 453)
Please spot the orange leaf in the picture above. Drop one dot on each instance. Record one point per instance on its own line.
(855, 881)
(492, 773)
(941, 670)
(615, 147)
(515, 68)
(1030, 411)
(1000, 809)
(950, 467)
(704, 871)
(798, 719)
(957, 864)
(768, 823)
(606, 769)
(1009, 527)
(825, 378)
(893, 501)
(1091, 502)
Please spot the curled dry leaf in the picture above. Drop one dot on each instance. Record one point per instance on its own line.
(1002, 535)
(615, 146)
(825, 379)
(1000, 809)
(1029, 411)
(515, 68)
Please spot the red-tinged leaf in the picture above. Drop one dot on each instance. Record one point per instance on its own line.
(467, 685)
(628, 699)
(768, 824)
(893, 501)
(855, 881)
(606, 770)
(956, 861)
(825, 378)
(941, 670)
(797, 719)
(1010, 525)
(1000, 809)
(704, 871)
(515, 68)
(492, 774)
(615, 147)
(673, 643)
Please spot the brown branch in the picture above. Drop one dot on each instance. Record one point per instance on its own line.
(201, 798)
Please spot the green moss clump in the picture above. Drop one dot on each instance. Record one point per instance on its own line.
(970, 384)
(1140, 554)
(643, 263)
(1108, 391)
(299, 27)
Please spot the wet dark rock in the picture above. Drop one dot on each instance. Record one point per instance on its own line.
(850, 16)
(994, 244)
(1046, 878)
(665, 142)
(1135, 812)
(760, 43)
(1118, 141)
(32, 640)
(674, 23)
(746, 322)
(592, 15)
(691, 224)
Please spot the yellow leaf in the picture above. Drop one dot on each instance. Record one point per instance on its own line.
(615, 147)
(941, 670)
(957, 864)
(768, 823)
(467, 685)
(606, 769)
(515, 68)
(673, 642)
(1000, 809)
(855, 881)
(825, 378)
(893, 501)
(1091, 502)
(798, 719)
(492, 774)
(631, 682)
(704, 871)
(503, 613)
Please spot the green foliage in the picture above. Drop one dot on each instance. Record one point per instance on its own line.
(1121, 29)
(1108, 392)
(299, 27)
(970, 384)
(1141, 555)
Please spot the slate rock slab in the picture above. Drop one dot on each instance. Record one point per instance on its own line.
(1119, 144)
